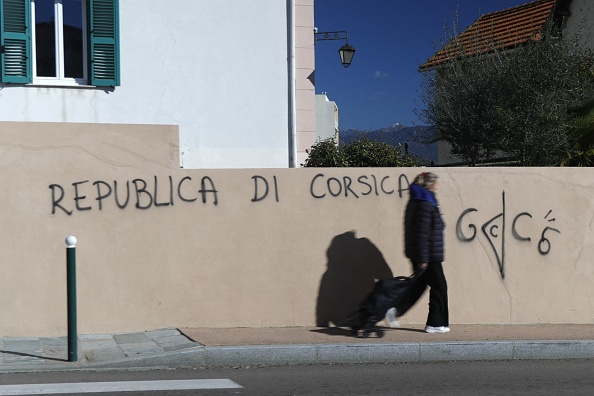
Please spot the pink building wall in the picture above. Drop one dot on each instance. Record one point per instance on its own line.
(305, 88)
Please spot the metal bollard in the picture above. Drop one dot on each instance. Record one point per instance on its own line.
(71, 297)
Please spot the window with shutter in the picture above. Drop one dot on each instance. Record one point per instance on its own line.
(60, 42)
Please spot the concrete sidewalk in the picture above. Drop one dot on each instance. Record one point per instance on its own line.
(205, 347)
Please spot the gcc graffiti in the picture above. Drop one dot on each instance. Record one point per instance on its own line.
(494, 230)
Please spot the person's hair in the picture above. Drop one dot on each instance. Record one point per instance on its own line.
(426, 179)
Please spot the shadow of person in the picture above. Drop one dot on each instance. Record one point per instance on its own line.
(353, 266)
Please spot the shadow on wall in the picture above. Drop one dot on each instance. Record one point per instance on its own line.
(353, 266)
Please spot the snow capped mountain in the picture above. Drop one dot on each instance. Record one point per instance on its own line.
(398, 126)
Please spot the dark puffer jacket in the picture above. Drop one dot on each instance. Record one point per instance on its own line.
(423, 227)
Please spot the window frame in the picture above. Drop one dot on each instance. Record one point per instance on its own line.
(60, 79)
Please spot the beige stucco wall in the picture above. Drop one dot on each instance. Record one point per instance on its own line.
(296, 256)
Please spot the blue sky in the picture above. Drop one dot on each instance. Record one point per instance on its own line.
(392, 38)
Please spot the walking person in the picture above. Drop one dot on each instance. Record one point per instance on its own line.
(424, 246)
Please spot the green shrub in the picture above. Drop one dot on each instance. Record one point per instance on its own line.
(362, 152)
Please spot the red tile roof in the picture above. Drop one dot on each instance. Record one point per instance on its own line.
(497, 30)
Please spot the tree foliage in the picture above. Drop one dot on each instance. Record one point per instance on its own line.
(581, 150)
(516, 103)
(361, 152)
(325, 154)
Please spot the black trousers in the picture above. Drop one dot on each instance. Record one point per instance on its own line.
(433, 277)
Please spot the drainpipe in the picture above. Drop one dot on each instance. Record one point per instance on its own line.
(291, 83)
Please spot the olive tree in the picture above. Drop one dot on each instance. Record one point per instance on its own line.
(514, 102)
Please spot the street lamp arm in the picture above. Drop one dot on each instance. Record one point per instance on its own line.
(337, 35)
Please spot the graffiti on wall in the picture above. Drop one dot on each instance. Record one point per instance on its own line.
(322, 186)
(494, 230)
(145, 194)
(137, 193)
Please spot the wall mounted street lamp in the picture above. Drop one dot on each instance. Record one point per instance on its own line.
(346, 52)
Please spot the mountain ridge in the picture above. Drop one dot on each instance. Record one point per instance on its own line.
(394, 135)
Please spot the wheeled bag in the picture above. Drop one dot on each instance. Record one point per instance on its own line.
(387, 293)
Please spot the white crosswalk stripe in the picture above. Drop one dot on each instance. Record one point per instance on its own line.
(123, 386)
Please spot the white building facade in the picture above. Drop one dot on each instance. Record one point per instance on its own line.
(326, 118)
(231, 74)
(579, 21)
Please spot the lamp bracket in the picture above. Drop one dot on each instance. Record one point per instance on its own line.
(337, 35)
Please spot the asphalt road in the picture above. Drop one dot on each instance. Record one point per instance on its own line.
(552, 377)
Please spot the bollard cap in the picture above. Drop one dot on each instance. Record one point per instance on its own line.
(71, 241)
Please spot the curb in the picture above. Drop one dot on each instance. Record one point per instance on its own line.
(277, 355)
(314, 354)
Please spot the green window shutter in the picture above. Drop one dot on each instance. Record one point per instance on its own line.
(15, 39)
(104, 43)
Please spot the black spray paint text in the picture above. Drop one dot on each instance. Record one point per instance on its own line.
(143, 195)
(495, 229)
(322, 186)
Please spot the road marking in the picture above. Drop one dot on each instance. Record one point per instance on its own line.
(123, 386)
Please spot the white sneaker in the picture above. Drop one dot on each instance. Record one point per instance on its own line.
(439, 329)
(391, 318)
